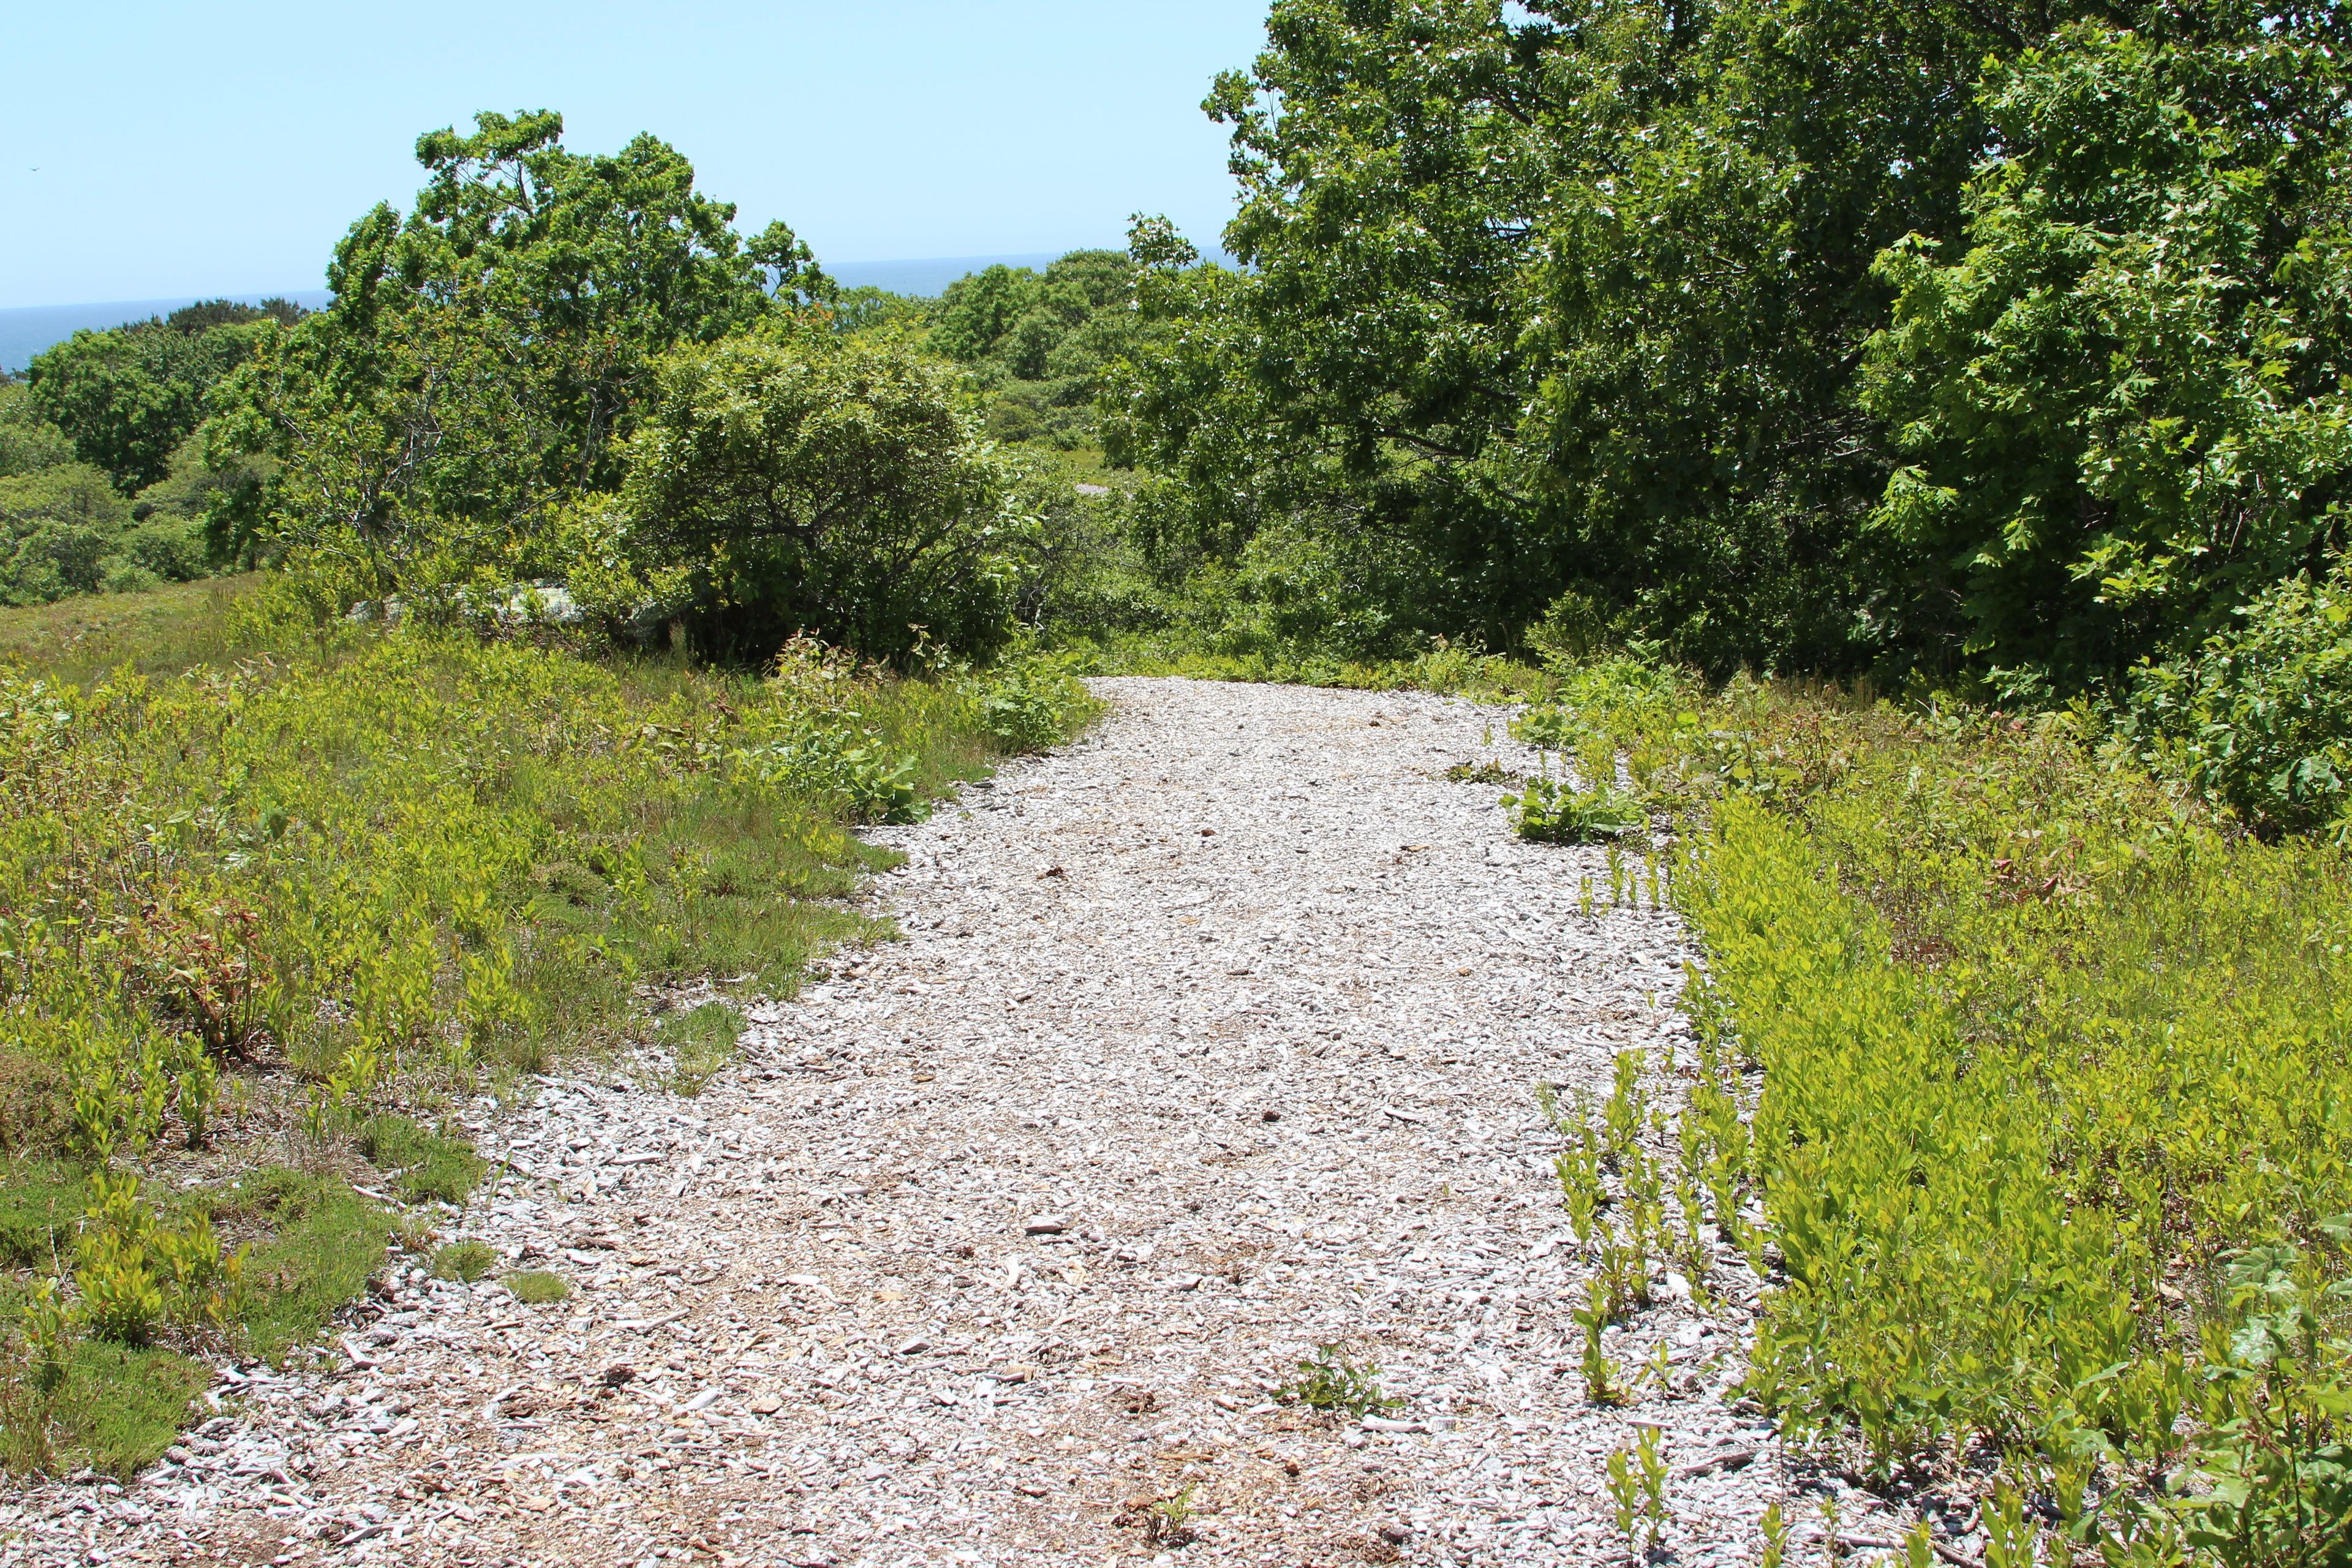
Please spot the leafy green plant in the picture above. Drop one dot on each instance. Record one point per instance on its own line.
(2279, 1449)
(1328, 1381)
(1637, 1489)
(1554, 811)
(136, 1271)
(1602, 1384)
(2257, 717)
(1166, 1521)
(2010, 1538)
(1033, 705)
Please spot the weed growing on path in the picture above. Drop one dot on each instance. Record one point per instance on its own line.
(1332, 1383)
(702, 1040)
(537, 1288)
(464, 1261)
(1554, 811)
(1637, 1486)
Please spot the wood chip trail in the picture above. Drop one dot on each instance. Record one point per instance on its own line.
(1214, 1039)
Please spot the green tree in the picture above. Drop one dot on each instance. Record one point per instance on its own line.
(128, 398)
(1575, 297)
(1039, 344)
(2123, 395)
(813, 483)
(484, 356)
(28, 442)
(58, 527)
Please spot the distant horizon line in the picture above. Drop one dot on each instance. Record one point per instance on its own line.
(990, 258)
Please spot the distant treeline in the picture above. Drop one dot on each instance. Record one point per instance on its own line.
(466, 411)
(103, 484)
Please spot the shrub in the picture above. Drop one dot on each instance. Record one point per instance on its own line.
(2261, 716)
(1554, 811)
(1034, 704)
(825, 485)
(168, 550)
(29, 442)
(57, 527)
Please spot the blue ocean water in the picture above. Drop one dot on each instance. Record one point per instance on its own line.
(25, 333)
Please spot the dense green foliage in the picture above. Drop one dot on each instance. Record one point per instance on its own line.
(485, 357)
(824, 485)
(2018, 1084)
(1988, 340)
(1039, 344)
(104, 483)
(2260, 717)
(2121, 397)
(129, 397)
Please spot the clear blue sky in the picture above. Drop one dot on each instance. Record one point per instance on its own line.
(223, 148)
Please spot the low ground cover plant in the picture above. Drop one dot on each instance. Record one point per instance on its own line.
(2035, 1062)
(275, 909)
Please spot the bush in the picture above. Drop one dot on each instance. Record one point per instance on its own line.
(57, 527)
(1034, 704)
(1554, 811)
(2261, 716)
(28, 443)
(829, 486)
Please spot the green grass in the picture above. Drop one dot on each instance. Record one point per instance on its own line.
(318, 1243)
(430, 1166)
(41, 1202)
(701, 1042)
(537, 1288)
(310, 1245)
(159, 632)
(464, 1261)
(121, 1407)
